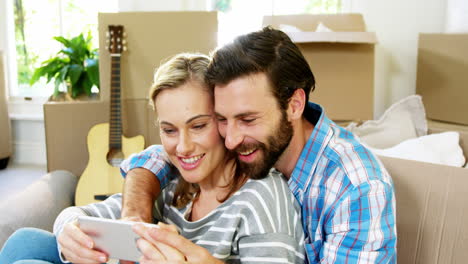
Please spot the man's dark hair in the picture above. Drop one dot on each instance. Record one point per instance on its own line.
(269, 51)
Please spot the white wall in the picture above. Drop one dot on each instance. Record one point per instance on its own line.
(397, 24)
(457, 16)
(6, 21)
(2, 25)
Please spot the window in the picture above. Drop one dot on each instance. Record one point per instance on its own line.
(36, 22)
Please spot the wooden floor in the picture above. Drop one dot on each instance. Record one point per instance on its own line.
(16, 177)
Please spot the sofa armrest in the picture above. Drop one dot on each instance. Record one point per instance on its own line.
(38, 204)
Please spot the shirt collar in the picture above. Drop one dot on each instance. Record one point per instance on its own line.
(312, 150)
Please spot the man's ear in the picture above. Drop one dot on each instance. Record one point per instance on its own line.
(296, 105)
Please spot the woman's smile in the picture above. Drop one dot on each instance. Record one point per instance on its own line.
(190, 163)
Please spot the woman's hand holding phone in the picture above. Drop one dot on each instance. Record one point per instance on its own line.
(177, 249)
(77, 247)
(154, 251)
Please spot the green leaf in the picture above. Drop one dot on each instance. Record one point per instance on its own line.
(38, 73)
(74, 73)
(87, 85)
(52, 68)
(77, 88)
(49, 69)
(64, 73)
(63, 40)
(80, 47)
(92, 68)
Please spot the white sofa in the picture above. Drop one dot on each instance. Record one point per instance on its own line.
(5, 130)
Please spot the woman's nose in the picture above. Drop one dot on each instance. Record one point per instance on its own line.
(185, 144)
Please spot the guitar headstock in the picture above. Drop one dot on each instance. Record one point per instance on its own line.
(115, 39)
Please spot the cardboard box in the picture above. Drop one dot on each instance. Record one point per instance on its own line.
(151, 38)
(342, 61)
(67, 126)
(432, 200)
(442, 77)
(432, 207)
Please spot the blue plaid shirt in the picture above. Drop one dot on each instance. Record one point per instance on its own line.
(346, 195)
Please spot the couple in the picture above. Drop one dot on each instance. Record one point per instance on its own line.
(260, 84)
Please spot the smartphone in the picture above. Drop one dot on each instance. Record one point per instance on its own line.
(113, 237)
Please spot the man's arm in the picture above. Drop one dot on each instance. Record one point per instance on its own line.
(140, 190)
(146, 173)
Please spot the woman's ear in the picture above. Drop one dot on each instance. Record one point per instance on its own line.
(296, 105)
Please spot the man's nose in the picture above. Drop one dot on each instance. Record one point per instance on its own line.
(234, 136)
(185, 144)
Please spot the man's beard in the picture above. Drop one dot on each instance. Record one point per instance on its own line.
(277, 142)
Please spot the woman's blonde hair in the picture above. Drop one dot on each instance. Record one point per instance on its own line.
(175, 72)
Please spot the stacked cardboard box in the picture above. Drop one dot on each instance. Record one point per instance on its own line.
(442, 76)
(342, 61)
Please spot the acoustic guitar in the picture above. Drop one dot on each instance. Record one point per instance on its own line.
(107, 146)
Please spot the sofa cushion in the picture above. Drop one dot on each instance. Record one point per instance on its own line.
(406, 119)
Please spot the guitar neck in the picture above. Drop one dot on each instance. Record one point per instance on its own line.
(115, 127)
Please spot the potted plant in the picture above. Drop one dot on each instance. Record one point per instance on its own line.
(76, 65)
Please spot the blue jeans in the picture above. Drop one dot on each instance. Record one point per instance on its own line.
(30, 246)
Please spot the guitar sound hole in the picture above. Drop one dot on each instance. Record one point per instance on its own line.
(115, 157)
